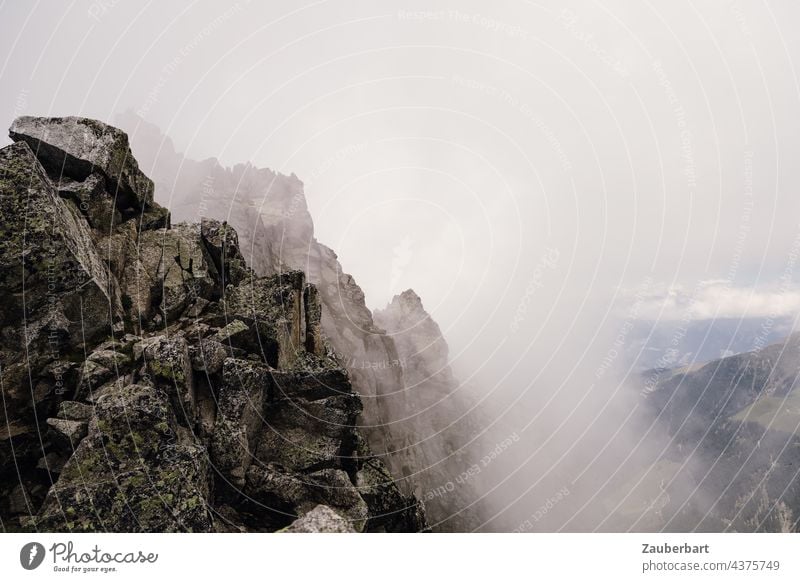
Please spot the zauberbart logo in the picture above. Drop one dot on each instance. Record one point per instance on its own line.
(31, 555)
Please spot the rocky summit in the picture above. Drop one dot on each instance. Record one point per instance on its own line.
(153, 382)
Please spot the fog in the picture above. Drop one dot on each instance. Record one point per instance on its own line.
(544, 177)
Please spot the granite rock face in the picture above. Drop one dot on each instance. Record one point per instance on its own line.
(152, 382)
(402, 406)
(136, 470)
(77, 148)
(56, 294)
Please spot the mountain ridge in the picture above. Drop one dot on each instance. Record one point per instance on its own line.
(732, 425)
(162, 385)
(270, 212)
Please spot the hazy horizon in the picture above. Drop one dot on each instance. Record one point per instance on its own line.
(544, 177)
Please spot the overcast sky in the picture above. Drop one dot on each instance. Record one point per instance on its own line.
(521, 165)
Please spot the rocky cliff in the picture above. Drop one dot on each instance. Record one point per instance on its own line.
(416, 419)
(151, 381)
(440, 416)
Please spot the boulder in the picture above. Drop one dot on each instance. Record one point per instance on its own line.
(222, 243)
(91, 198)
(207, 356)
(68, 432)
(168, 364)
(76, 147)
(305, 436)
(46, 249)
(140, 346)
(275, 496)
(334, 488)
(237, 334)
(56, 295)
(278, 494)
(154, 217)
(71, 410)
(176, 268)
(275, 307)
(136, 471)
(119, 251)
(98, 368)
(297, 449)
(196, 309)
(321, 519)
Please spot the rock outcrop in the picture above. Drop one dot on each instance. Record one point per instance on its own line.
(418, 339)
(150, 380)
(441, 417)
(276, 234)
(77, 148)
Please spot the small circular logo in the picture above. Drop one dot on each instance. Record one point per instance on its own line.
(31, 555)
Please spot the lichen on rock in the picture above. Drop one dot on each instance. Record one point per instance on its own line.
(184, 393)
